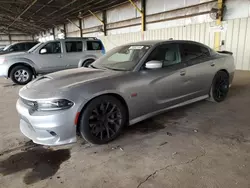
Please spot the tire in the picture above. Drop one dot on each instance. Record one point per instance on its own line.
(102, 120)
(220, 87)
(87, 62)
(21, 74)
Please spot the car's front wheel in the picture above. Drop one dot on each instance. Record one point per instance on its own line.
(102, 120)
(21, 75)
(220, 87)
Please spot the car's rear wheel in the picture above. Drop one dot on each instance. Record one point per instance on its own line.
(220, 87)
(87, 62)
(102, 120)
(21, 75)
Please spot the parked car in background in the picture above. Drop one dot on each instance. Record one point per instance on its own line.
(50, 57)
(18, 47)
(1, 48)
(127, 85)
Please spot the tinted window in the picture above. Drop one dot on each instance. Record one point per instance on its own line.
(18, 47)
(94, 45)
(52, 48)
(168, 54)
(73, 46)
(192, 52)
(30, 45)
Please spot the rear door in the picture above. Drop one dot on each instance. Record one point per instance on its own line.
(73, 53)
(200, 68)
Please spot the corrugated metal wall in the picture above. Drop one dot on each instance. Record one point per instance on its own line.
(236, 37)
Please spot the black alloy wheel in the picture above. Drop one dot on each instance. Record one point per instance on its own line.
(220, 86)
(102, 120)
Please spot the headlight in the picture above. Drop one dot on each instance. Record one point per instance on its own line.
(2, 60)
(58, 104)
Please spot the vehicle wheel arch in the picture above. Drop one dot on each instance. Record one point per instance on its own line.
(23, 64)
(117, 96)
(87, 59)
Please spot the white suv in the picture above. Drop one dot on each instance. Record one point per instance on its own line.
(49, 57)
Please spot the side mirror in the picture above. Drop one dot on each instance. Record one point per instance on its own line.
(153, 64)
(11, 49)
(43, 51)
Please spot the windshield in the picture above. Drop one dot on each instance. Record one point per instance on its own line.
(35, 47)
(7, 47)
(123, 58)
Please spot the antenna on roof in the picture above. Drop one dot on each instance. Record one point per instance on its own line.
(171, 38)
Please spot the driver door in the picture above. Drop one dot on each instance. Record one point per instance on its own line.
(168, 84)
(50, 59)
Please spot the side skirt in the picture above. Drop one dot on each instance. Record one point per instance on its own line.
(141, 118)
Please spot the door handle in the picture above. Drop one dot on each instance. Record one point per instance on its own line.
(183, 73)
(60, 56)
(212, 64)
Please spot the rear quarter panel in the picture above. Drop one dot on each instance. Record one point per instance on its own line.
(225, 62)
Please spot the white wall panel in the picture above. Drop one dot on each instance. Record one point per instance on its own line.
(92, 21)
(236, 37)
(123, 12)
(74, 34)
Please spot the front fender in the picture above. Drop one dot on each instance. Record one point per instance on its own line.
(26, 61)
(106, 92)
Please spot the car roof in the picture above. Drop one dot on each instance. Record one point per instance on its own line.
(155, 42)
(77, 39)
(24, 42)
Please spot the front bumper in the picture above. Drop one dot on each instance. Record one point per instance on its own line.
(47, 128)
(4, 70)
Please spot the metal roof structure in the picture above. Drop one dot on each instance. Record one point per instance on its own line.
(33, 16)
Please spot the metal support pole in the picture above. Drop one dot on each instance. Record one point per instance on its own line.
(64, 30)
(80, 26)
(9, 35)
(104, 18)
(143, 14)
(218, 23)
(53, 31)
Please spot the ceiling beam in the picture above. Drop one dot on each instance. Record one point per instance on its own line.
(47, 4)
(25, 10)
(73, 1)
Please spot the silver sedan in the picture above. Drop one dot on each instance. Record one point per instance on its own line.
(129, 84)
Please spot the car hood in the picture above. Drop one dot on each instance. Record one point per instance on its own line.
(52, 84)
(13, 54)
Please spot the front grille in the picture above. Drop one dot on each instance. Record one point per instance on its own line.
(32, 104)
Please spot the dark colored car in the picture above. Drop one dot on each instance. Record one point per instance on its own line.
(18, 47)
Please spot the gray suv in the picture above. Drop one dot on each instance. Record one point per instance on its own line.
(49, 57)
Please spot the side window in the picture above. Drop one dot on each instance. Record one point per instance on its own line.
(193, 52)
(18, 47)
(73, 46)
(94, 45)
(168, 54)
(29, 45)
(52, 48)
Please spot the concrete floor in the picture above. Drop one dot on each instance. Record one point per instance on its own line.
(200, 145)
